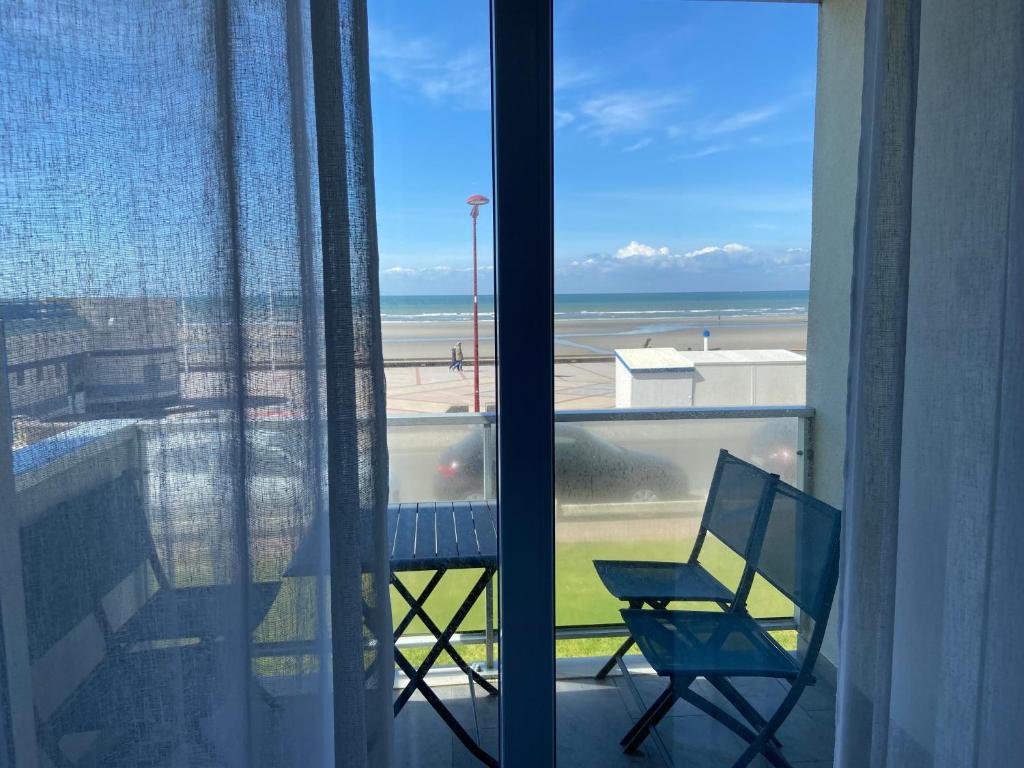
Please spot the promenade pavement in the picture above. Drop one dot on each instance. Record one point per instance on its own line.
(435, 389)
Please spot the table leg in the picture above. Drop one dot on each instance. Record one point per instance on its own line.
(489, 624)
(418, 609)
(456, 727)
(444, 640)
(427, 591)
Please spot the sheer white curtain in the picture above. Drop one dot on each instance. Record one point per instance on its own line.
(194, 461)
(931, 660)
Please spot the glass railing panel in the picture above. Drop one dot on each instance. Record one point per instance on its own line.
(635, 490)
(447, 458)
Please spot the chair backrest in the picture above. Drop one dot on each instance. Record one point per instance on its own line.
(76, 553)
(737, 499)
(799, 551)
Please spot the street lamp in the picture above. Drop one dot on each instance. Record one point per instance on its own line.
(475, 201)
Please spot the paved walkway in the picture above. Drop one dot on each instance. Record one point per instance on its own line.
(435, 389)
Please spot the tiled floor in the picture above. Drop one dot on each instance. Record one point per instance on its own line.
(593, 715)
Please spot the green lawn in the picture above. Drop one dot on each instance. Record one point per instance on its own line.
(580, 599)
(580, 596)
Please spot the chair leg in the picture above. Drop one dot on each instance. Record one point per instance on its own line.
(610, 664)
(742, 706)
(646, 716)
(761, 743)
(651, 718)
(744, 732)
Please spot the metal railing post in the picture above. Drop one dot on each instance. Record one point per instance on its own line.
(489, 625)
(805, 452)
(488, 454)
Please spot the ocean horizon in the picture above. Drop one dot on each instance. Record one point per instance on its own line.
(654, 307)
(623, 306)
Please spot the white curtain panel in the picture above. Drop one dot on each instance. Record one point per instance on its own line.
(193, 460)
(931, 662)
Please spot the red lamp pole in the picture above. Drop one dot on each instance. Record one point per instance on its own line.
(475, 201)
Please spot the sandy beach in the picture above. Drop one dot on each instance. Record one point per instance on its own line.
(416, 355)
(408, 341)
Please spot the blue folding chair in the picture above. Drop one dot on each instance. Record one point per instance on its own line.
(796, 549)
(738, 491)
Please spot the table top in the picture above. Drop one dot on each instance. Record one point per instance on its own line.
(425, 536)
(443, 534)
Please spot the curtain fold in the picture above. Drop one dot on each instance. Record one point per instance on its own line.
(930, 660)
(875, 393)
(192, 384)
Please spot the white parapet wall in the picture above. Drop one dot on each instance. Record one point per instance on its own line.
(749, 377)
(653, 378)
(665, 378)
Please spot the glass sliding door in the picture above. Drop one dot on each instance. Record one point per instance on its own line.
(431, 97)
(683, 138)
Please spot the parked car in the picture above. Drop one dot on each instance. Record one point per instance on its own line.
(588, 468)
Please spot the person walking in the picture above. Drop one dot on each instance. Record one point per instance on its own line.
(453, 362)
(459, 357)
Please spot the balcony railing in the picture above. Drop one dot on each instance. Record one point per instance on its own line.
(630, 484)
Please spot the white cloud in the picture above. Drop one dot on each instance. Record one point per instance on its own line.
(741, 120)
(563, 118)
(433, 270)
(623, 113)
(736, 248)
(571, 74)
(638, 145)
(729, 257)
(710, 126)
(421, 66)
(707, 151)
(639, 249)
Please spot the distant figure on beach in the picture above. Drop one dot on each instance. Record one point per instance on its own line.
(458, 356)
(454, 361)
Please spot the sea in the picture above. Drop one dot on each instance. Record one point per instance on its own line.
(624, 306)
(647, 307)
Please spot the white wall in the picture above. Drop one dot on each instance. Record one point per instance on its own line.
(740, 385)
(661, 389)
(836, 151)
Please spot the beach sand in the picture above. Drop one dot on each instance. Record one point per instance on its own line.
(598, 338)
(416, 355)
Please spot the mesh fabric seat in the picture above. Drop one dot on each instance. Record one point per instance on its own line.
(141, 691)
(701, 643)
(640, 581)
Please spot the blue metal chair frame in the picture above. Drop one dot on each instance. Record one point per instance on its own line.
(812, 590)
(696, 583)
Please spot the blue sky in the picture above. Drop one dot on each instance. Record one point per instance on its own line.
(683, 143)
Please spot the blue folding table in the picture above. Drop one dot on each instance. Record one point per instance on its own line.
(439, 537)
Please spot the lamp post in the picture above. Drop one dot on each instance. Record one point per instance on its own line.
(475, 201)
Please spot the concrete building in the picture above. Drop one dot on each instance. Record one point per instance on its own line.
(653, 378)
(666, 378)
(71, 356)
(737, 377)
(133, 352)
(45, 345)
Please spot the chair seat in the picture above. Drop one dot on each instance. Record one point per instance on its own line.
(197, 612)
(637, 580)
(702, 643)
(141, 692)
